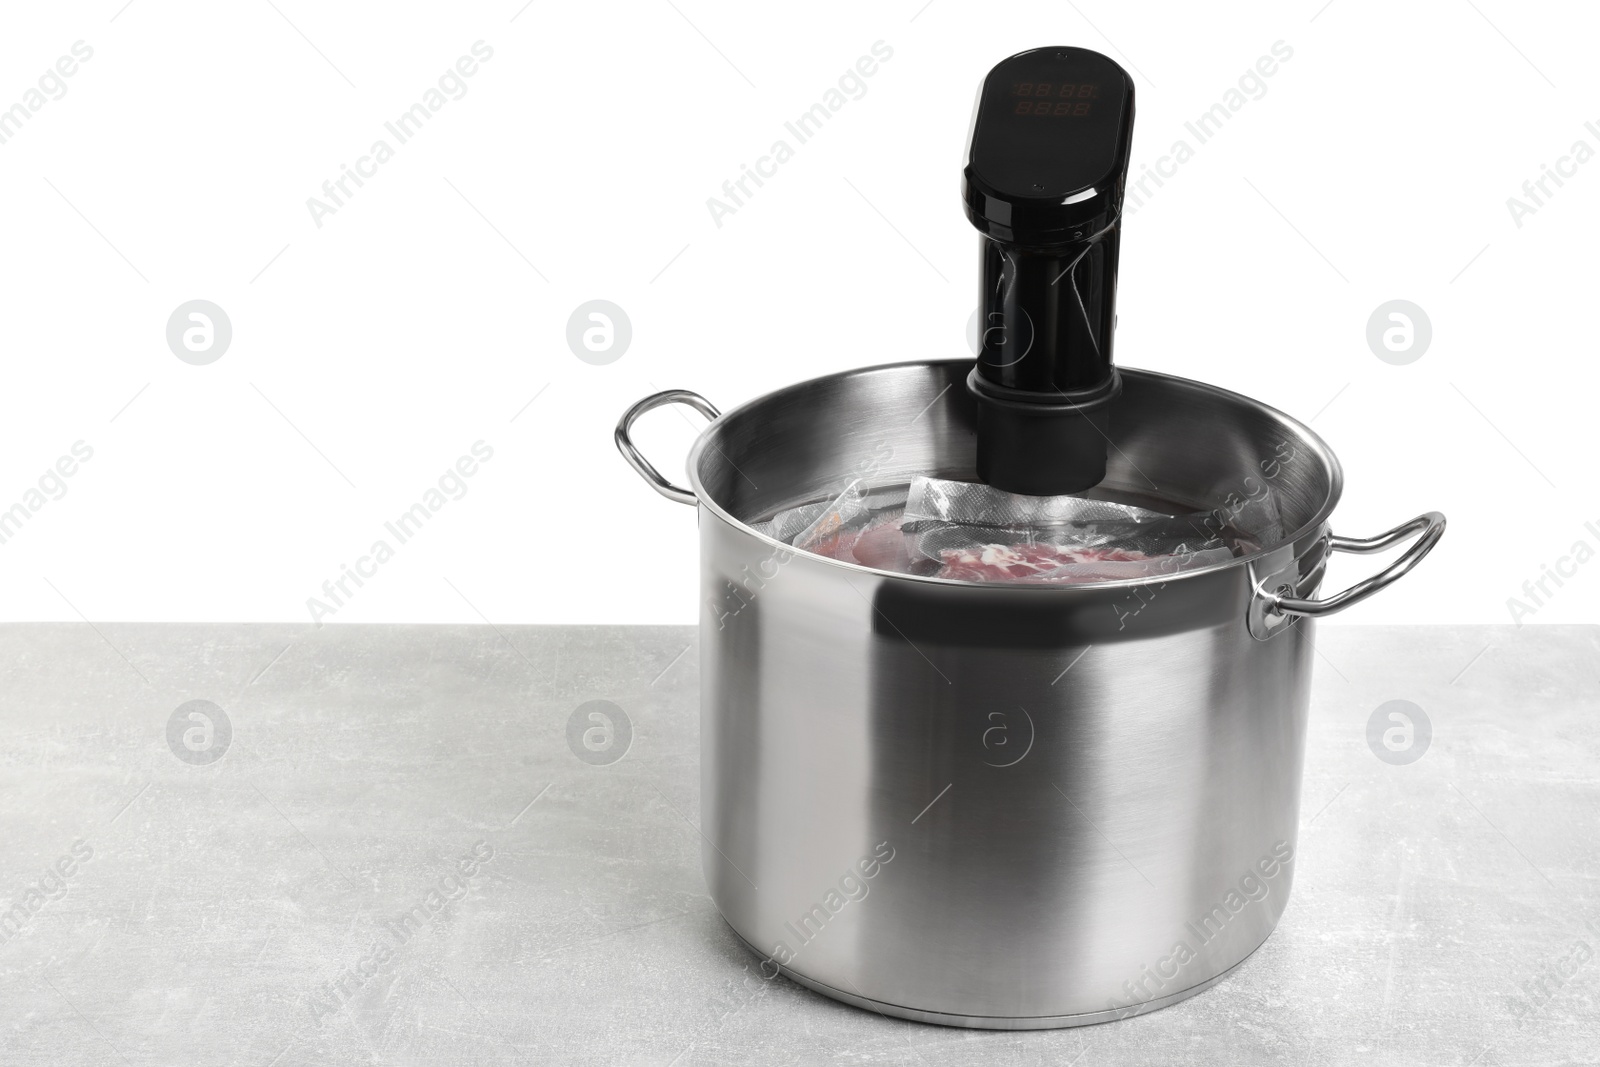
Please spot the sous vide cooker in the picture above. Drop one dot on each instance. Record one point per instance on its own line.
(1046, 163)
(1011, 805)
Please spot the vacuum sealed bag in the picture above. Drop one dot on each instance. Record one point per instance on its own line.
(979, 533)
(966, 531)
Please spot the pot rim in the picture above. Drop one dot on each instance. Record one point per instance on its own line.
(1317, 444)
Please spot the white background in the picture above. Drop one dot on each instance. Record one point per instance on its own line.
(415, 320)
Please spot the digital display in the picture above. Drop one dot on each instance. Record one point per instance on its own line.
(1053, 99)
(1049, 123)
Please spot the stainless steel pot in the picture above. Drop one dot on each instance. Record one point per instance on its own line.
(1003, 806)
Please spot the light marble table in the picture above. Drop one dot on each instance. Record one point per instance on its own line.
(250, 910)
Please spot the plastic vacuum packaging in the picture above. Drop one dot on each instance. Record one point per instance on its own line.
(979, 533)
(968, 531)
(860, 524)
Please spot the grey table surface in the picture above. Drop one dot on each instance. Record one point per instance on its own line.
(166, 910)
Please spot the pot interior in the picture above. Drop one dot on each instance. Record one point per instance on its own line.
(1177, 445)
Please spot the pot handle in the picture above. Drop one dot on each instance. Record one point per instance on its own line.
(1428, 527)
(636, 460)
